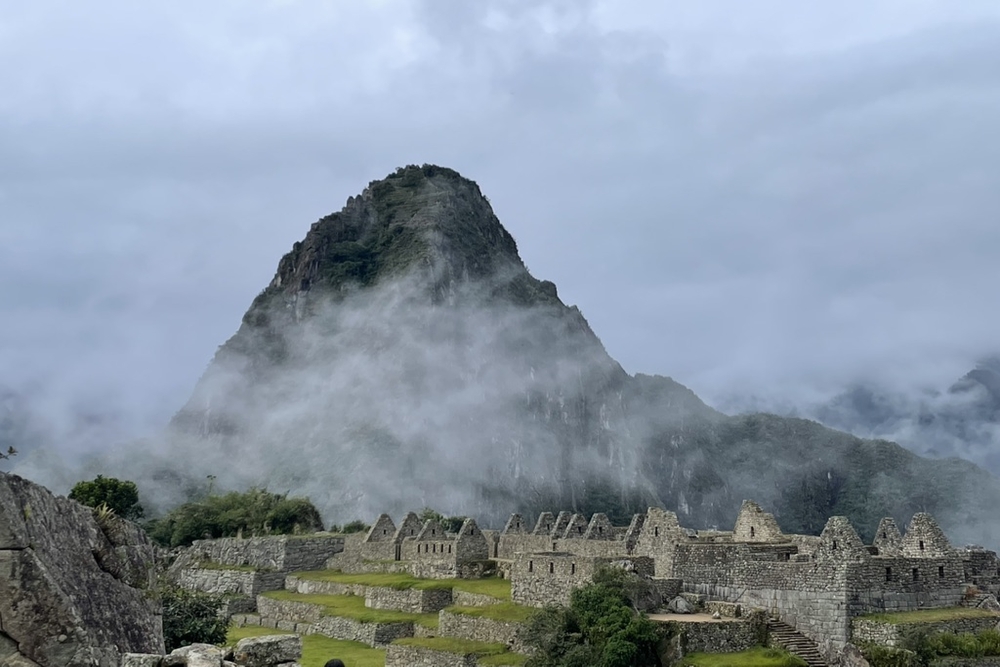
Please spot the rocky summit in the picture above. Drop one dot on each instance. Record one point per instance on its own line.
(404, 356)
(75, 590)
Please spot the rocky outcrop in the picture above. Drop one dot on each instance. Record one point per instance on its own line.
(73, 591)
(267, 651)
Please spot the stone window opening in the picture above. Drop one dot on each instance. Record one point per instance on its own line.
(940, 571)
(921, 545)
(531, 566)
(433, 531)
(449, 548)
(916, 574)
(435, 549)
(579, 529)
(553, 546)
(834, 547)
(888, 574)
(751, 531)
(600, 529)
(656, 531)
(572, 568)
(884, 535)
(472, 531)
(552, 568)
(385, 532)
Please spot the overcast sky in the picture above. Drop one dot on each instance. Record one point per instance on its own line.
(765, 198)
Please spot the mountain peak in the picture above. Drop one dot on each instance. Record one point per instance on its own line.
(428, 219)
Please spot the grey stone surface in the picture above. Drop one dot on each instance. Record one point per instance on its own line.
(141, 660)
(412, 656)
(72, 591)
(268, 651)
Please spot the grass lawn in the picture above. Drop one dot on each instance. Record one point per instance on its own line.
(353, 606)
(928, 615)
(317, 649)
(398, 580)
(494, 655)
(504, 611)
(758, 657)
(493, 586)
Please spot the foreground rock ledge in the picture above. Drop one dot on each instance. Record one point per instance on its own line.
(72, 592)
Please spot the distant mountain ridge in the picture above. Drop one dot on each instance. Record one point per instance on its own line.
(960, 420)
(403, 356)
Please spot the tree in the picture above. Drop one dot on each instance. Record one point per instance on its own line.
(600, 627)
(121, 496)
(191, 617)
(254, 512)
(451, 524)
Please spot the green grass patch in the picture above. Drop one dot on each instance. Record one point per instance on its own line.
(758, 657)
(317, 649)
(492, 586)
(929, 615)
(454, 645)
(353, 606)
(396, 580)
(504, 611)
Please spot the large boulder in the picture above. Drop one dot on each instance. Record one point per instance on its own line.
(268, 651)
(74, 591)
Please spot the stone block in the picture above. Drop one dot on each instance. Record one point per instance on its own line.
(141, 660)
(268, 651)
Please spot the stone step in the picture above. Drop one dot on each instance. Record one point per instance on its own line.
(795, 642)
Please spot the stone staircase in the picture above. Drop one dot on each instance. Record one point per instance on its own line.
(785, 636)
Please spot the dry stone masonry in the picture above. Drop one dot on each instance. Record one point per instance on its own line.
(73, 591)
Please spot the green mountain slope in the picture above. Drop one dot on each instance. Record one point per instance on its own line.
(403, 356)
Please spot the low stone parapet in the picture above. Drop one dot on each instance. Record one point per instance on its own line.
(464, 599)
(372, 634)
(288, 610)
(310, 587)
(885, 633)
(481, 629)
(410, 600)
(222, 581)
(415, 656)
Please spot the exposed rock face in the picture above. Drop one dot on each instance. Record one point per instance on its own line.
(72, 592)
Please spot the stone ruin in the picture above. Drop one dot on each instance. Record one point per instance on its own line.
(267, 651)
(74, 590)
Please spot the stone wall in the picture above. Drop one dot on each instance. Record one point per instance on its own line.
(73, 591)
(464, 599)
(286, 553)
(306, 618)
(721, 636)
(549, 578)
(890, 634)
(481, 629)
(412, 656)
(228, 582)
(410, 600)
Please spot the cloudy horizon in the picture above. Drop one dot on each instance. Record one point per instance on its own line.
(771, 202)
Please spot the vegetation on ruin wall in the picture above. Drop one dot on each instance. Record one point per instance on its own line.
(600, 627)
(758, 657)
(191, 617)
(922, 648)
(317, 649)
(353, 607)
(929, 615)
(487, 654)
(252, 513)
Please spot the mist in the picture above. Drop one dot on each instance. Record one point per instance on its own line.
(770, 204)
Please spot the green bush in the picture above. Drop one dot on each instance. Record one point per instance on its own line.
(356, 526)
(885, 656)
(255, 512)
(120, 496)
(191, 617)
(600, 627)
